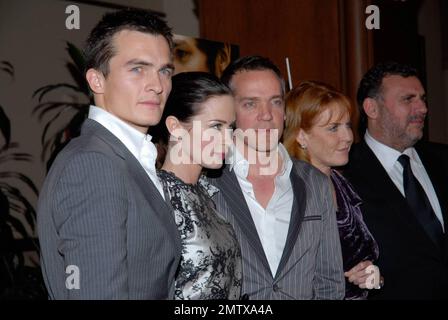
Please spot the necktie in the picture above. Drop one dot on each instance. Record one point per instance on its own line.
(419, 203)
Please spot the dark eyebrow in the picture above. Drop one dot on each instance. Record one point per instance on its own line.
(168, 66)
(248, 98)
(138, 62)
(134, 62)
(218, 120)
(412, 96)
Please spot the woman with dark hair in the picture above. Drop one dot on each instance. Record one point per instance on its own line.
(318, 130)
(196, 130)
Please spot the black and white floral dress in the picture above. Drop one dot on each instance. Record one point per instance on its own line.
(210, 266)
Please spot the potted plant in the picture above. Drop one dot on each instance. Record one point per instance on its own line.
(17, 280)
(79, 111)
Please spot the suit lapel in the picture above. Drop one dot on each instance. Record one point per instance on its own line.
(234, 197)
(383, 190)
(377, 175)
(154, 198)
(297, 214)
(139, 175)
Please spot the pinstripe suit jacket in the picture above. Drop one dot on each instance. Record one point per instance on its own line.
(99, 211)
(311, 264)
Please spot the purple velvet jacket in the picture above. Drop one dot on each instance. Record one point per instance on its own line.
(357, 242)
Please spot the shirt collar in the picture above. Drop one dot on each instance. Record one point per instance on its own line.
(240, 164)
(237, 162)
(133, 139)
(387, 155)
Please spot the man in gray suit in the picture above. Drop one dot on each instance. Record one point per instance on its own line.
(281, 209)
(104, 228)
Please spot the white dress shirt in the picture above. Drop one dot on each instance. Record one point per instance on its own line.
(389, 160)
(139, 144)
(271, 223)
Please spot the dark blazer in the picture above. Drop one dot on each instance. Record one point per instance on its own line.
(311, 264)
(412, 266)
(99, 211)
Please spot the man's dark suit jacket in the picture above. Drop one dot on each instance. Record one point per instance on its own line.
(100, 212)
(412, 266)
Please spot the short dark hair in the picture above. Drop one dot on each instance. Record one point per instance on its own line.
(99, 47)
(189, 91)
(251, 63)
(370, 85)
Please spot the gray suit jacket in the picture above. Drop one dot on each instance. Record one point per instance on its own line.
(100, 212)
(311, 264)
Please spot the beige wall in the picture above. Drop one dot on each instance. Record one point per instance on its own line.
(180, 16)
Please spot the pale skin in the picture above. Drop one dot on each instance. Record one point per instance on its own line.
(139, 79)
(260, 107)
(328, 144)
(215, 119)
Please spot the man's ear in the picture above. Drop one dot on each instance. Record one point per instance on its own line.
(370, 107)
(222, 59)
(96, 81)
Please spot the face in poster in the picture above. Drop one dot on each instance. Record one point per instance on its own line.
(195, 54)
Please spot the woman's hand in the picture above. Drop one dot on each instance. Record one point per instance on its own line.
(359, 274)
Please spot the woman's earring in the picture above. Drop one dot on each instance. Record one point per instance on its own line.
(303, 146)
